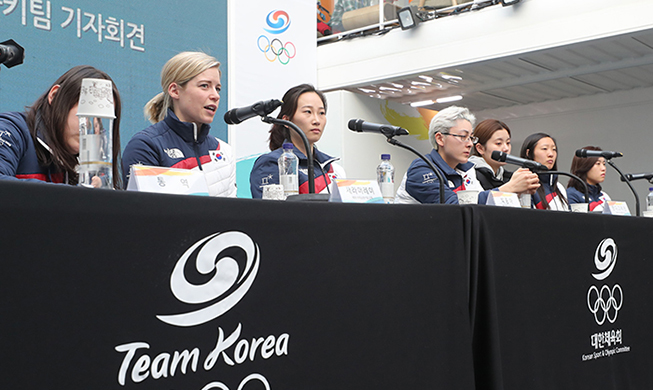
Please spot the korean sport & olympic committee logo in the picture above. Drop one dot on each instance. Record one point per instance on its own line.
(274, 49)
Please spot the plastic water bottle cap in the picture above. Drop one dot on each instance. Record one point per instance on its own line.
(288, 145)
(385, 157)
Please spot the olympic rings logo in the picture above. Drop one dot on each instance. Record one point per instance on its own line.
(276, 49)
(278, 21)
(602, 302)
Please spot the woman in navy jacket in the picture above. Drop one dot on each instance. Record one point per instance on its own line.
(179, 136)
(42, 144)
(592, 171)
(306, 107)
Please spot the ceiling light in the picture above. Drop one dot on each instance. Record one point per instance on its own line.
(506, 3)
(449, 99)
(407, 17)
(427, 78)
(422, 103)
(451, 77)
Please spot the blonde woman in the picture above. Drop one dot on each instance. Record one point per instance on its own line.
(181, 114)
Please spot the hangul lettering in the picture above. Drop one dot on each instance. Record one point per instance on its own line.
(12, 4)
(594, 340)
(138, 33)
(606, 337)
(618, 336)
(115, 30)
(91, 25)
(71, 16)
(42, 16)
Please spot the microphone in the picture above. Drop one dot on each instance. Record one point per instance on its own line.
(530, 164)
(11, 53)
(637, 176)
(597, 153)
(360, 126)
(262, 108)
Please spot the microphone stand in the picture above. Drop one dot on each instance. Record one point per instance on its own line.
(311, 196)
(586, 191)
(624, 178)
(393, 141)
(539, 171)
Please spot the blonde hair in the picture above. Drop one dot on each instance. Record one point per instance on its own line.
(179, 69)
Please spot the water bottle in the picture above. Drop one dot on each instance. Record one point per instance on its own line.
(288, 170)
(649, 200)
(385, 175)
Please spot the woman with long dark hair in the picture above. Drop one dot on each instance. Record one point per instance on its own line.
(592, 171)
(42, 144)
(306, 107)
(551, 195)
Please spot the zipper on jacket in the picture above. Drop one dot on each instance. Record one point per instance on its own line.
(196, 147)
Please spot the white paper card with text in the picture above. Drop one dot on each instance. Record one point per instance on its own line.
(167, 180)
(503, 199)
(355, 191)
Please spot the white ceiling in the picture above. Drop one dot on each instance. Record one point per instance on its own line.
(592, 67)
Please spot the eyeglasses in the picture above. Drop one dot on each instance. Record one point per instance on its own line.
(464, 138)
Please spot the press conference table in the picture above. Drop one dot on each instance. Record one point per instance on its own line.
(115, 290)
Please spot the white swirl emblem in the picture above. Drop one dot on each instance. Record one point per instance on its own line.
(605, 258)
(602, 302)
(227, 285)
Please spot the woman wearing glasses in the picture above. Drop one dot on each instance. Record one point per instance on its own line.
(451, 134)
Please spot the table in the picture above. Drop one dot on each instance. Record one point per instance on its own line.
(110, 289)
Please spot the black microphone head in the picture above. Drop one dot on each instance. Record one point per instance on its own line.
(498, 155)
(231, 118)
(355, 125)
(11, 53)
(402, 131)
(581, 153)
(270, 106)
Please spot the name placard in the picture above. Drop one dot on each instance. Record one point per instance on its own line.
(167, 180)
(616, 207)
(503, 199)
(355, 191)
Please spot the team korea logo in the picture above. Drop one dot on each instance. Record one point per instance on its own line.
(605, 302)
(221, 269)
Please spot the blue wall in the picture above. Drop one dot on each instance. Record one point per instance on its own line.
(169, 27)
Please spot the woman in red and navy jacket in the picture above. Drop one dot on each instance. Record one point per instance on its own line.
(179, 137)
(592, 171)
(306, 107)
(42, 144)
(551, 195)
